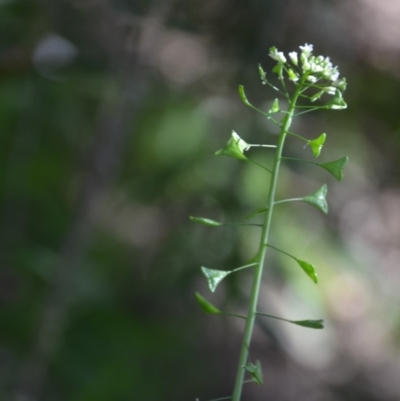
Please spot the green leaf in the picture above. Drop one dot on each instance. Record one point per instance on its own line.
(316, 144)
(275, 107)
(214, 277)
(309, 270)
(317, 199)
(205, 221)
(206, 306)
(255, 372)
(234, 148)
(257, 211)
(312, 324)
(335, 167)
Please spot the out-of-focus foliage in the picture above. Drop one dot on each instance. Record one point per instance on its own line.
(110, 114)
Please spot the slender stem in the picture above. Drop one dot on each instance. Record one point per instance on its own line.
(283, 82)
(299, 160)
(275, 88)
(274, 317)
(259, 165)
(297, 136)
(231, 314)
(276, 121)
(311, 107)
(223, 398)
(263, 146)
(304, 112)
(280, 250)
(288, 200)
(241, 224)
(258, 110)
(252, 312)
(243, 267)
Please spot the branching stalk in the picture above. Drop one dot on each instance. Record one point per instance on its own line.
(252, 311)
(303, 70)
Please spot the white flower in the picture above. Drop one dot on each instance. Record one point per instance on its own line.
(330, 90)
(278, 56)
(306, 49)
(305, 65)
(293, 57)
(315, 68)
(327, 61)
(312, 79)
(331, 73)
(334, 75)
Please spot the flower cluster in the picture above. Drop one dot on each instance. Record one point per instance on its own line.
(316, 72)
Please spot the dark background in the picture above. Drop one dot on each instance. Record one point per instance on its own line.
(110, 112)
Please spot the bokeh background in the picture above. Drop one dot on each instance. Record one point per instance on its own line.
(110, 112)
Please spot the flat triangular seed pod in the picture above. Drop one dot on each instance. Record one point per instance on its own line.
(309, 270)
(335, 167)
(263, 74)
(317, 199)
(214, 277)
(337, 102)
(275, 107)
(243, 96)
(255, 372)
(278, 70)
(206, 306)
(205, 221)
(234, 148)
(316, 144)
(311, 324)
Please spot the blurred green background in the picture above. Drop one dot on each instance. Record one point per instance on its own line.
(110, 112)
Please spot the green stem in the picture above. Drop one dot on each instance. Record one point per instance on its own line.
(231, 314)
(275, 317)
(299, 160)
(298, 136)
(304, 112)
(243, 267)
(261, 146)
(258, 110)
(241, 224)
(288, 200)
(275, 88)
(259, 165)
(252, 312)
(280, 250)
(311, 107)
(276, 121)
(223, 398)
